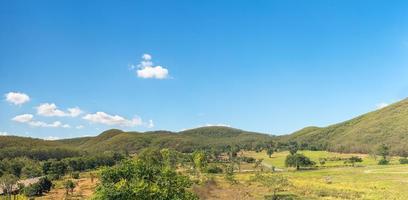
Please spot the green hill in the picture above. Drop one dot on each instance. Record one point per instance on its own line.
(118, 140)
(363, 134)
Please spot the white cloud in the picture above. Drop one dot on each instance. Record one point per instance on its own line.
(74, 112)
(382, 105)
(4, 133)
(150, 124)
(112, 120)
(146, 56)
(17, 98)
(51, 138)
(146, 69)
(79, 127)
(28, 119)
(23, 118)
(50, 110)
(157, 72)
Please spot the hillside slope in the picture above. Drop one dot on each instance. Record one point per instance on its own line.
(364, 133)
(118, 140)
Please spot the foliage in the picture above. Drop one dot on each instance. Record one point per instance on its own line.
(6, 183)
(362, 134)
(293, 147)
(384, 151)
(75, 175)
(403, 161)
(352, 160)
(269, 151)
(199, 160)
(274, 182)
(383, 162)
(69, 186)
(214, 169)
(229, 173)
(144, 178)
(298, 160)
(37, 189)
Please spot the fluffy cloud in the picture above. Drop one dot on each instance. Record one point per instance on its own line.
(51, 138)
(112, 120)
(50, 110)
(23, 118)
(17, 98)
(28, 119)
(382, 105)
(146, 69)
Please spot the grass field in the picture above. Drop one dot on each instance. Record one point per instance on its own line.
(334, 181)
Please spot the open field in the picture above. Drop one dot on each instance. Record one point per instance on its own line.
(84, 189)
(366, 181)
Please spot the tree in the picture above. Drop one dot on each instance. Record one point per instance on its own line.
(352, 160)
(199, 160)
(269, 151)
(322, 161)
(6, 182)
(258, 164)
(274, 182)
(293, 147)
(69, 186)
(298, 160)
(229, 173)
(141, 179)
(384, 151)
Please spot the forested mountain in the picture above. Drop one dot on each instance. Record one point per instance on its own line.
(116, 140)
(364, 133)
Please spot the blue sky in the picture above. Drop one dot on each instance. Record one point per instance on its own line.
(268, 66)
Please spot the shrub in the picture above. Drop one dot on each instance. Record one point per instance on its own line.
(75, 175)
(248, 159)
(383, 162)
(33, 190)
(403, 161)
(214, 169)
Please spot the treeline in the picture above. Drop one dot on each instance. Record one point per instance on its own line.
(23, 167)
(39, 153)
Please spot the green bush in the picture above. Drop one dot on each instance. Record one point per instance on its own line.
(248, 159)
(383, 162)
(214, 169)
(75, 175)
(403, 161)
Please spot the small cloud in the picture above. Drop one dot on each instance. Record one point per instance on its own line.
(28, 119)
(112, 120)
(24, 118)
(146, 69)
(150, 124)
(79, 127)
(381, 105)
(17, 98)
(51, 110)
(51, 138)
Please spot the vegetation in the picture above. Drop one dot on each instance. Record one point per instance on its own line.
(362, 134)
(298, 160)
(144, 178)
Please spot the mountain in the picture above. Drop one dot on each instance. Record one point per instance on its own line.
(363, 134)
(186, 141)
(118, 140)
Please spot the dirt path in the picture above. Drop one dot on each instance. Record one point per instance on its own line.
(83, 190)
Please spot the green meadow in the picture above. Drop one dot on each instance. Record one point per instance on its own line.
(333, 180)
